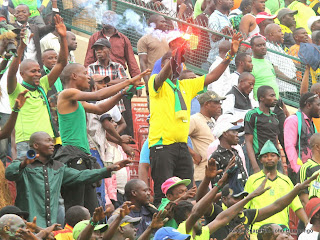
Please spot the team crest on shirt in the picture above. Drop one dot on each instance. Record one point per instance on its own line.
(316, 185)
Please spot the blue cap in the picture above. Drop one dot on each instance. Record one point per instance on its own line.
(170, 233)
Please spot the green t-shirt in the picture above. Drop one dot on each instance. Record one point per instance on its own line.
(280, 186)
(171, 223)
(33, 116)
(205, 235)
(264, 73)
(197, 8)
(274, 5)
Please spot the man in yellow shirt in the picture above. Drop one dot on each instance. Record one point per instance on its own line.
(280, 186)
(170, 103)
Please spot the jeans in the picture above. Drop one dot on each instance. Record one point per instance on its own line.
(22, 149)
(168, 161)
(61, 211)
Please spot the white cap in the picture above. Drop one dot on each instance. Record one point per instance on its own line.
(173, 35)
(223, 127)
(312, 20)
(230, 118)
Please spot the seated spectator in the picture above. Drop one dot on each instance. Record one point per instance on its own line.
(263, 19)
(55, 174)
(298, 129)
(175, 190)
(280, 185)
(35, 11)
(243, 63)
(223, 84)
(98, 231)
(219, 22)
(201, 130)
(283, 71)
(303, 15)
(314, 23)
(35, 117)
(33, 50)
(170, 233)
(127, 228)
(121, 51)
(263, 71)
(74, 215)
(236, 15)
(288, 25)
(260, 126)
(300, 35)
(227, 133)
(138, 193)
(312, 211)
(150, 48)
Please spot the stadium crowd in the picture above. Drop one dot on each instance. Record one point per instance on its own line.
(223, 159)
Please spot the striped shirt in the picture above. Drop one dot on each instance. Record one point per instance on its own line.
(113, 70)
(307, 170)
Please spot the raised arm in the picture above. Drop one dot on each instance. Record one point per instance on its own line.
(9, 126)
(165, 73)
(305, 81)
(158, 221)
(63, 54)
(215, 74)
(226, 216)
(13, 69)
(284, 201)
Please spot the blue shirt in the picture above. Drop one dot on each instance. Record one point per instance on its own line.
(145, 153)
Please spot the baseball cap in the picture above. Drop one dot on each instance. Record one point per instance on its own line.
(173, 181)
(268, 147)
(14, 210)
(98, 77)
(312, 207)
(170, 233)
(173, 35)
(227, 117)
(223, 127)
(102, 42)
(78, 228)
(209, 96)
(311, 21)
(286, 11)
(234, 191)
(261, 16)
(127, 219)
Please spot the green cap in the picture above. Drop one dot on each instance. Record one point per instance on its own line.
(268, 147)
(78, 228)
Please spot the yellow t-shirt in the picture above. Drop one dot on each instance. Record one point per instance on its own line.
(280, 186)
(315, 75)
(165, 128)
(205, 235)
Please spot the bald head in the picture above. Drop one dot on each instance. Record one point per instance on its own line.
(271, 28)
(315, 88)
(9, 225)
(315, 140)
(72, 41)
(224, 47)
(68, 71)
(245, 76)
(273, 33)
(37, 137)
(27, 64)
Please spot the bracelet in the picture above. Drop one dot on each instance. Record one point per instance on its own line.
(93, 224)
(16, 110)
(218, 186)
(229, 56)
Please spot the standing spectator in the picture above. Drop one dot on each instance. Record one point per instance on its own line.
(303, 15)
(121, 49)
(236, 15)
(314, 23)
(35, 116)
(35, 17)
(300, 35)
(219, 22)
(105, 67)
(263, 71)
(39, 196)
(72, 46)
(243, 63)
(201, 129)
(311, 166)
(223, 84)
(227, 133)
(298, 128)
(33, 50)
(138, 193)
(280, 186)
(152, 46)
(168, 132)
(275, 5)
(261, 125)
(287, 24)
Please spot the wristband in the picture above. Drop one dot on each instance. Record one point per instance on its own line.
(218, 186)
(16, 110)
(93, 224)
(229, 56)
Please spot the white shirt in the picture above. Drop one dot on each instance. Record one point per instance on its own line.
(4, 99)
(30, 52)
(223, 84)
(50, 41)
(309, 234)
